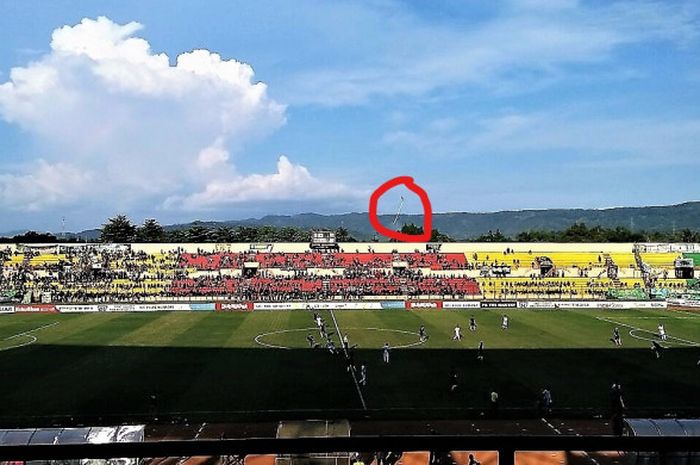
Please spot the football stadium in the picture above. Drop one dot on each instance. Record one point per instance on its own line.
(236, 339)
(366, 232)
(239, 331)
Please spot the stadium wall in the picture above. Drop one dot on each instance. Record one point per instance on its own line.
(338, 305)
(377, 247)
(402, 247)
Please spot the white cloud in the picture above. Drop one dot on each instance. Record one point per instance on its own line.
(46, 186)
(290, 182)
(525, 45)
(649, 141)
(119, 121)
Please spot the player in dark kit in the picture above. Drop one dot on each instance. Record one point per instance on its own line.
(656, 348)
(422, 335)
(480, 352)
(454, 384)
(616, 339)
(363, 375)
(312, 343)
(330, 345)
(472, 324)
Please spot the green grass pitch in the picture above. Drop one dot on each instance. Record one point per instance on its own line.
(102, 367)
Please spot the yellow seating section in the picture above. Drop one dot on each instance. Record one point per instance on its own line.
(659, 260)
(560, 259)
(581, 287)
(47, 259)
(624, 260)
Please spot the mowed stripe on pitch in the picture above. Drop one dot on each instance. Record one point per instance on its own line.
(161, 330)
(211, 330)
(262, 322)
(11, 325)
(82, 357)
(77, 329)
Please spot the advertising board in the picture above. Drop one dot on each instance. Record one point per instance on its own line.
(77, 308)
(498, 304)
(205, 306)
(458, 304)
(393, 304)
(234, 306)
(41, 308)
(424, 304)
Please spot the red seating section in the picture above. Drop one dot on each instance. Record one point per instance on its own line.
(299, 261)
(362, 275)
(378, 284)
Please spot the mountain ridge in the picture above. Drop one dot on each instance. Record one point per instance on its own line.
(463, 225)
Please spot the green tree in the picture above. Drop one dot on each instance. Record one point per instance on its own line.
(150, 231)
(492, 236)
(176, 235)
(198, 233)
(412, 229)
(686, 235)
(536, 235)
(301, 235)
(343, 235)
(223, 234)
(246, 234)
(437, 236)
(34, 237)
(118, 229)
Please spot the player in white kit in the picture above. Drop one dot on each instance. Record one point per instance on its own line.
(458, 334)
(662, 332)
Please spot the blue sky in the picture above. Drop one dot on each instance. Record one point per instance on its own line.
(289, 107)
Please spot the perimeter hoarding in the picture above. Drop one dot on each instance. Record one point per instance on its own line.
(344, 305)
(459, 304)
(39, 308)
(424, 304)
(143, 307)
(234, 306)
(363, 305)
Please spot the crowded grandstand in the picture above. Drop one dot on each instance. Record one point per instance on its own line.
(79, 273)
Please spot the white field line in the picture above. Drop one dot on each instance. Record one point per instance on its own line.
(259, 337)
(32, 338)
(553, 428)
(692, 314)
(671, 339)
(347, 357)
(641, 338)
(550, 425)
(622, 317)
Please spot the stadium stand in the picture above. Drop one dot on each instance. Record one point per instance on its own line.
(152, 272)
(660, 260)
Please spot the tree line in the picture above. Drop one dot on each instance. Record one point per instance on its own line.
(121, 229)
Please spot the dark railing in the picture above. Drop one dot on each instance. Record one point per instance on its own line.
(505, 445)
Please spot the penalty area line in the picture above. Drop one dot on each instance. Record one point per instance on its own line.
(633, 329)
(29, 334)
